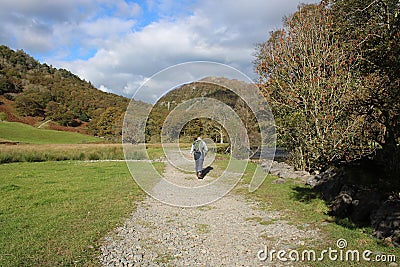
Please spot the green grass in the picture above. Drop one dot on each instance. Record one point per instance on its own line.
(55, 213)
(58, 152)
(19, 132)
(159, 167)
(302, 206)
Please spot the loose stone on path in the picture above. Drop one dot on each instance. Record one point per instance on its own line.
(227, 232)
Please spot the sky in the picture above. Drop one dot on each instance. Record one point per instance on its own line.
(118, 44)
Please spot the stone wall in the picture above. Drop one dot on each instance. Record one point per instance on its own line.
(362, 205)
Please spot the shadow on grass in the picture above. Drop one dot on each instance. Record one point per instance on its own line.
(307, 194)
(304, 194)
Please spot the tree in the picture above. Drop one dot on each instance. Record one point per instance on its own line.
(217, 132)
(3, 116)
(305, 73)
(60, 113)
(27, 105)
(5, 85)
(109, 123)
(372, 27)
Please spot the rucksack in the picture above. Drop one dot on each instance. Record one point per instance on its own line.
(197, 146)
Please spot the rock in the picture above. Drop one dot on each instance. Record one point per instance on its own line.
(302, 173)
(361, 206)
(283, 170)
(386, 221)
(347, 189)
(313, 180)
(364, 203)
(388, 241)
(137, 257)
(330, 183)
(279, 181)
(289, 175)
(341, 206)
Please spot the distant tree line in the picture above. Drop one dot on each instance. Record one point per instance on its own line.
(332, 77)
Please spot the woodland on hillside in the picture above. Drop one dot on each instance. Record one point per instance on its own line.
(202, 125)
(41, 91)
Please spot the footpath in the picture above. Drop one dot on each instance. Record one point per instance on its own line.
(232, 231)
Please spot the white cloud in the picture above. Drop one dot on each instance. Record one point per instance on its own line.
(107, 27)
(151, 4)
(123, 56)
(128, 9)
(43, 27)
(48, 10)
(103, 88)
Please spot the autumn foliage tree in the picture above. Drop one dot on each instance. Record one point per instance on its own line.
(372, 28)
(109, 123)
(306, 75)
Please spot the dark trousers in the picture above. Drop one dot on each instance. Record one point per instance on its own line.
(198, 160)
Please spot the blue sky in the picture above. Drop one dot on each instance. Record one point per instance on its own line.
(118, 44)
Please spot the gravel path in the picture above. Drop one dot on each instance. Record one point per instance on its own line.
(228, 232)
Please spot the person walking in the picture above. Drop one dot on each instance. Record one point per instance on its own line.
(199, 150)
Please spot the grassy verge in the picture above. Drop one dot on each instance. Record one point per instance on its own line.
(19, 132)
(57, 152)
(159, 167)
(303, 208)
(55, 213)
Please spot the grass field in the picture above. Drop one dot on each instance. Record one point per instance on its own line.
(19, 132)
(58, 152)
(55, 213)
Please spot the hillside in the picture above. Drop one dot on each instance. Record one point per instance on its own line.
(23, 133)
(210, 87)
(32, 93)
